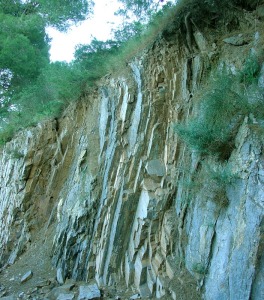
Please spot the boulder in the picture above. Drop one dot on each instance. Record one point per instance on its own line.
(89, 292)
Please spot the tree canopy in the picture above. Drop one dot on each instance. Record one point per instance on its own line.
(23, 47)
(141, 9)
(27, 78)
(58, 13)
(31, 87)
(24, 44)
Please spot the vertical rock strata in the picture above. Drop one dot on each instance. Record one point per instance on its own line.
(113, 176)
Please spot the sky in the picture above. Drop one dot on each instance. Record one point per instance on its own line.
(99, 26)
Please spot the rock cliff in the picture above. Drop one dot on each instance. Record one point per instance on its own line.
(130, 203)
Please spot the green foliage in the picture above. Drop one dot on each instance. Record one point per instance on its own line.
(95, 58)
(6, 133)
(133, 40)
(15, 154)
(142, 9)
(250, 72)
(211, 181)
(219, 174)
(199, 268)
(58, 85)
(128, 30)
(56, 13)
(30, 88)
(62, 13)
(99, 58)
(24, 44)
(12, 7)
(60, 81)
(221, 109)
(214, 177)
(23, 49)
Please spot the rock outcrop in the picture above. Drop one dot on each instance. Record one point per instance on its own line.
(115, 179)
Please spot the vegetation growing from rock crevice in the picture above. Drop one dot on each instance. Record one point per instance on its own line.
(224, 103)
(209, 182)
(220, 111)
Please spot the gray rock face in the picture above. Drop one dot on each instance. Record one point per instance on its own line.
(89, 292)
(20, 180)
(238, 236)
(60, 277)
(238, 40)
(118, 181)
(68, 296)
(156, 167)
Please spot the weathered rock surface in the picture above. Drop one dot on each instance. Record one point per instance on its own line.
(113, 176)
(89, 292)
(238, 40)
(26, 276)
(59, 276)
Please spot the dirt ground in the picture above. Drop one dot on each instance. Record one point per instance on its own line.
(37, 259)
(40, 286)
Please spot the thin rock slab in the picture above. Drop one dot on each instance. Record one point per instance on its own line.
(61, 291)
(136, 296)
(89, 292)
(238, 40)
(60, 277)
(26, 276)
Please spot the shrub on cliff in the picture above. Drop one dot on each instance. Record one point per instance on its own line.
(220, 110)
(46, 97)
(250, 71)
(225, 102)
